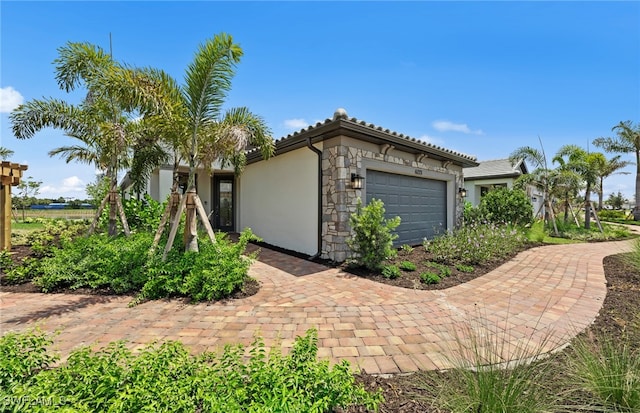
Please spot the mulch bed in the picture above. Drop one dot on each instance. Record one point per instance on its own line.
(420, 257)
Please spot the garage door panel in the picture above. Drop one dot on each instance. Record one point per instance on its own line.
(421, 204)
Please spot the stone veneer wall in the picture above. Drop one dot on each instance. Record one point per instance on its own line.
(339, 199)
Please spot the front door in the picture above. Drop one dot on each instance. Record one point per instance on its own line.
(223, 203)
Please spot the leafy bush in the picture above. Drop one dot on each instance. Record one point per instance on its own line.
(22, 355)
(143, 215)
(123, 265)
(610, 232)
(610, 214)
(372, 240)
(55, 233)
(443, 270)
(471, 214)
(609, 371)
(464, 268)
(506, 206)
(476, 244)
(19, 274)
(97, 262)
(165, 378)
(430, 278)
(406, 249)
(407, 266)
(391, 271)
(6, 263)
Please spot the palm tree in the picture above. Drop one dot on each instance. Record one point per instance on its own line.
(99, 122)
(585, 164)
(193, 125)
(540, 176)
(5, 153)
(626, 141)
(607, 167)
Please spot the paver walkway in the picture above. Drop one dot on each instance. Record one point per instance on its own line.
(544, 295)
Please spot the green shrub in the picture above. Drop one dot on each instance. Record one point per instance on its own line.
(611, 214)
(372, 240)
(406, 249)
(6, 263)
(430, 278)
(24, 272)
(22, 356)
(407, 266)
(166, 378)
(476, 244)
(443, 270)
(143, 215)
(471, 214)
(464, 268)
(56, 232)
(97, 262)
(391, 271)
(506, 206)
(610, 371)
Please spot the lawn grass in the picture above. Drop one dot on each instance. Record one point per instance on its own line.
(537, 233)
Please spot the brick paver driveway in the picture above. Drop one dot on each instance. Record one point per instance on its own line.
(549, 292)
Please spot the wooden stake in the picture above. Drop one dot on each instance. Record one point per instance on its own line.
(96, 218)
(203, 217)
(174, 228)
(123, 217)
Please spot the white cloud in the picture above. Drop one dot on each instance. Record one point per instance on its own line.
(295, 124)
(71, 186)
(447, 126)
(432, 140)
(9, 99)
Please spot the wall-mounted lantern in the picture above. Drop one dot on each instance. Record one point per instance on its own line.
(357, 181)
(462, 192)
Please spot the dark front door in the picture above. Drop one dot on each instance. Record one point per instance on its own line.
(223, 203)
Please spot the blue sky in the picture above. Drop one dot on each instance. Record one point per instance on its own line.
(481, 78)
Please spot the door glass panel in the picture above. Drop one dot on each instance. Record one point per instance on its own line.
(225, 202)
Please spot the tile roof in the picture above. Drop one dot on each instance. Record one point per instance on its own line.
(341, 120)
(496, 168)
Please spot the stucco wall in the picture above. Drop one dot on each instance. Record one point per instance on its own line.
(278, 200)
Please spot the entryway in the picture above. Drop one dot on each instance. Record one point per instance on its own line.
(223, 216)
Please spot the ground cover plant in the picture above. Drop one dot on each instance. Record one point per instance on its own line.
(67, 262)
(166, 378)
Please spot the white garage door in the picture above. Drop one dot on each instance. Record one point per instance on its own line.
(420, 203)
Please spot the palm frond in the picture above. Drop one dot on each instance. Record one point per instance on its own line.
(79, 63)
(208, 78)
(35, 115)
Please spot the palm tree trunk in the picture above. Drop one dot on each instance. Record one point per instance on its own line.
(636, 209)
(566, 207)
(191, 228)
(587, 208)
(600, 195)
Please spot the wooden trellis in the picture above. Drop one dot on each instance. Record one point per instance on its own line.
(10, 176)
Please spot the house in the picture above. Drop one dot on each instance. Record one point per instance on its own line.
(301, 198)
(499, 173)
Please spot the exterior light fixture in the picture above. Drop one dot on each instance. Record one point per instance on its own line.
(462, 192)
(357, 181)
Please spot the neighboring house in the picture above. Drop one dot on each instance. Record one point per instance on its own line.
(499, 173)
(301, 198)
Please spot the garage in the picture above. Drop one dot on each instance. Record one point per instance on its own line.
(420, 203)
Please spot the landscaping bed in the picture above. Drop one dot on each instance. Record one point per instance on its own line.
(424, 262)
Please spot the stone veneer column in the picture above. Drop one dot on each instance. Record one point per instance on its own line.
(338, 201)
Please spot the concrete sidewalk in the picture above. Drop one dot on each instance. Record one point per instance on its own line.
(543, 297)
